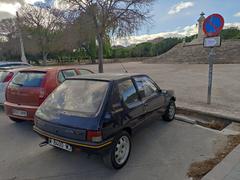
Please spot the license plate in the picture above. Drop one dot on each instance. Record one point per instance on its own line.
(60, 144)
(19, 113)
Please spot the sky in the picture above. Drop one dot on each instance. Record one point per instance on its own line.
(169, 17)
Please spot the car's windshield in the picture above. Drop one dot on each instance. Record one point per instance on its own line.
(75, 97)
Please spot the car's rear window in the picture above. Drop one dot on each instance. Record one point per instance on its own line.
(3, 75)
(28, 79)
(81, 98)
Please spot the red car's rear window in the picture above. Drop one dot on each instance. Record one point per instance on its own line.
(29, 79)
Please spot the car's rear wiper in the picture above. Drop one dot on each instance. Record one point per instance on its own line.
(18, 84)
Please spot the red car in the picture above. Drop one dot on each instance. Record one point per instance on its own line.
(29, 88)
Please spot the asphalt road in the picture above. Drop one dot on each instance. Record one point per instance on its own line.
(190, 82)
(160, 151)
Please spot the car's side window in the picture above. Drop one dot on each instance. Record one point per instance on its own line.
(128, 92)
(145, 86)
(61, 77)
(84, 71)
(69, 73)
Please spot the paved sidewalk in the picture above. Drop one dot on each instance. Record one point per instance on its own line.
(209, 110)
(228, 169)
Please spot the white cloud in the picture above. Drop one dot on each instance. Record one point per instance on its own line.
(237, 14)
(33, 1)
(228, 25)
(179, 32)
(59, 4)
(180, 6)
(9, 8)
(13, 6)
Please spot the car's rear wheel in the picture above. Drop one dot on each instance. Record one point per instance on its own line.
(170, 112)
(119, 154)
(16, 120)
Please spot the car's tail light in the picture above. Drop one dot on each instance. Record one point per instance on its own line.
(8, 77)
(94, 136)
(42, 93)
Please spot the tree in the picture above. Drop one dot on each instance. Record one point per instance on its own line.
(42, 24)
(10, 43)
(120, 17)
(8, 28)
(230, 33)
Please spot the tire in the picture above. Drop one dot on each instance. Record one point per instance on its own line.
(121, 143)
(16, 120)
(169, 114)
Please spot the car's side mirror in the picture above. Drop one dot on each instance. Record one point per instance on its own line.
(142, 93)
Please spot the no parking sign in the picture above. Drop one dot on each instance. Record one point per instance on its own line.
(213, 25)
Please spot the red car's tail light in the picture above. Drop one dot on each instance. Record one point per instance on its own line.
(8, 77)
(94, 136)
(42, 93)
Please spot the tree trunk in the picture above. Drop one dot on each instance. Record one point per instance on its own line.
(100, 53)
(45, 58)
(93, 60)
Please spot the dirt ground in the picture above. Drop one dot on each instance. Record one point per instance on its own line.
(198, 169)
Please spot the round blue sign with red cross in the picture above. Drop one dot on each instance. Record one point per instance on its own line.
(213, 25)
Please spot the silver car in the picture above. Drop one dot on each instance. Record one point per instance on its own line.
(5, 64)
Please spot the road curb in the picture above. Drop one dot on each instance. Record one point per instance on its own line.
(204, 113)
(185, 119)
(225, 167)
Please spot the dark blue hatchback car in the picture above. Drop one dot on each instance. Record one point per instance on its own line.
(99, 112)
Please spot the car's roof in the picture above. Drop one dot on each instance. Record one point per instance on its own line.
(49, 68)
(14, 68)
(13, 62)
(106, 76)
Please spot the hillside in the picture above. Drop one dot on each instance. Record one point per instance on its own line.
(229, 52)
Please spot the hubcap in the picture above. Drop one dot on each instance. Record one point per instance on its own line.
(171, 111)
(122, 150)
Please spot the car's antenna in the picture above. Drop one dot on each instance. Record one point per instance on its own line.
(125, 70)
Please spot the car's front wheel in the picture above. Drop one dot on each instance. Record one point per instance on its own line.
(118, 155)
(170, 112)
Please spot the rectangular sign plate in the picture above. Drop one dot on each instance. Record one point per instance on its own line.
(60, 144)
(210, 42)
(16, 112)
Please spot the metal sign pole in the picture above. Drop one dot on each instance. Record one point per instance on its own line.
(210, 74)
(212, 28)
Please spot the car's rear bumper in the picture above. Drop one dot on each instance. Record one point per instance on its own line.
(100, 147)
(31, 110)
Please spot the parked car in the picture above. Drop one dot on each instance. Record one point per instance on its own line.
(29, 88)
(98, 113)
(13, 64)
(6, 74)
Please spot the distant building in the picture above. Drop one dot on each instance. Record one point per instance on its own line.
(199, 39)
